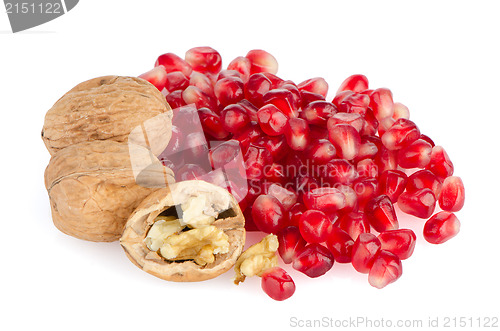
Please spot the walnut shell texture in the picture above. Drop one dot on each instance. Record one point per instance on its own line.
(143, 217)
(109, 108)
(94, 186)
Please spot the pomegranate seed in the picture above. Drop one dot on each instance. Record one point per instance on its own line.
(285, 196)
(371, 124)
(204, 60)
(234, 118)
(308, 97)
(212, 124)
(354, 223)
(365, 249)
(242, 65)
(440, 163)
(283, 99)
(321, 152)
(314, 226)
(175, 99)
(441, 227)
(341, 96)
(314, 260)
(318, 112)
(268, 214)
(353, 119)
(326, 199)
(416, 155)
(423, 179)
(262, 61)
(156, 76)
(354, 83)
(272, 120)
(224, 154)
(297, 134)
(384, 125)
(305, 184)
(351, 198)
(381, 215)
(367, 168)
(381, 103)
(255, 88)
(346, 140)
(229, 90)
(401, 134)
(196, 148)
(355, 103)
(340, 244)
(256, 159)
(277, 283)
(367, 150)
(248, 136)
(276, 82)
(386, 269)
(275, 173)
(189, 172)
(340, 171)
(202, 82)
(173, 63)
(318, 132)
(400, 111)
(290, 86)
(250, 109)
(428, 139)
(249, 223)
(291, 243)
(295, 213)
(366, 189)
(229, 74)
(452, 194)
(276, 145)
(398, 242)
(420, 203)
(386, 159)
(176, 81)
(316, 85)
(393, 183)
(192, 94)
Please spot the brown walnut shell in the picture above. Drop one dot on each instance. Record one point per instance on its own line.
(94, 186)
(109, 108)
(231, 222)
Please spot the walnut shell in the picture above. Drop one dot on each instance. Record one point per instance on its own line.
(94, 186)
(109, 108)
(141, 220)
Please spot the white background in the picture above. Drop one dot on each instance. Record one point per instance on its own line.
(441, 59)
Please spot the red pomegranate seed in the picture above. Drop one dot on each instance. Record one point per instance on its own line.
(386, 159)
(354, 223)
(175, 99)
(316, 85)
(308, 97)
(242, 65)
(297, 134)
(440, 163)
(354, 83)
(400, 111)
(346, 140)
(196, 149)
(340, 171)
(452, 194)
(262, 61)
(202, 82)
(291, 243)
(276, 82)
(272, 120)
(189, 172)
(249, 223)
(290, 86)
(355, 103)
(268, 214)
(393, 183)
(176, 81)
(256, 159)
(441, 227)
(295, 213)
(212, 124)
(340, 244)
(229, 90)
(381, 215)
(156, 76)
(285, 196)
(193, 95)
(399, 242)
(276, 145)
(371, 124)
(314, 226)
(248, 136)
(224, 154)
(365, 249)
(351, 198)
(305, 184)
(229, 74)
(314, 260)
(381, 103)
(341, 96)
(204, 60)
(384, 125)
(423, 179)
(367, 168)
(321, 152)
(401, 134)
(366, 189)
(277, 283)
(416, 155)
(275, 173)
(386, 269)
(283, 99)
(353, 119)
(326, 199)
(367, 150)
(428, 139)
(420, 203)
(255, 88)
(250, 109)
(318, 132)
(318, 112)
(173, 63)
(234, 118)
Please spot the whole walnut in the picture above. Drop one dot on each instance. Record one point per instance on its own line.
(109, 108)
(94, 186)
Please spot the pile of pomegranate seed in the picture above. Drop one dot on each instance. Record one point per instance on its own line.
(322, 175)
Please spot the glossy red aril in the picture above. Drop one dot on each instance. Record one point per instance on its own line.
(234, 118)
(175, 99)
(250, 109)
(367, 149)
(381, 215)
(156, 76)
(229, 90)
(242, 65)
(277, 283)
(276, 145)
(295, 213)
(297, 134)
(452, 194)
(176, 81)
(341, 96)
(268, 214)
(346, 140)
(283, 99)
(248, 136)
(399, 242)
(371, 124)
(381, 103)
(351, 198)
(316, 85)
(340, 244)
(367, 168)
(211, 123)
(392, 183)
(386, 269)
(354, 83)
(366, 189)
(355, 103)
(290, 86)
(416, 155)
(204, 60)
(189, 172)
(272, 120)
(420, 203)
(354, 223)
(440, 163)
(202, 82)
(314, 260)
(193, 95)
(308, 97)
(424, 179)
(262, 61)
(384, 125)
(225, 153)
(315, 226)
(326, 199)
(352, 119)
(318, 112)
(400, 111)
(173, 63)
(228, 74)
(256, 159)
(340, 171)
(365, 249)
(275, 173)
(321, 152)
(255, 88)
(441, 227)
(428, 139)
(401, 134)
(285, 196)
(291, 243)
(196, 149)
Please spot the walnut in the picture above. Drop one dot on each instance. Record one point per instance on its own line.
(94, 186)
(189, 231)
(109, 108)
